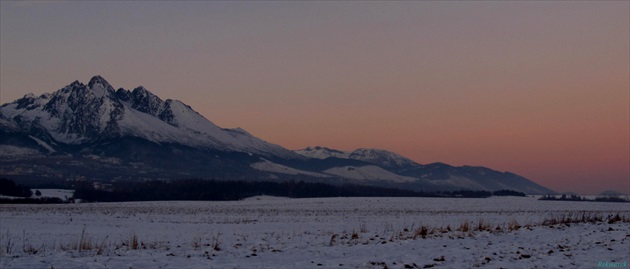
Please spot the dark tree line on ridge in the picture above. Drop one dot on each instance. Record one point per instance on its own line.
(197, 189)
(214, 190)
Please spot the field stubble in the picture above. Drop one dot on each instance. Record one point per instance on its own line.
(331, 232)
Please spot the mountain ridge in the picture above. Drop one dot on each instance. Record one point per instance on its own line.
(93, 131)
(80, 113)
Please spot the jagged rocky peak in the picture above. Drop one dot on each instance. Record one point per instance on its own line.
(29, 102)
(123, 95)
(385, 157)
(97, 87)
(98, 80)
(74, 84)
(141, 91)
(147, 102)
(100, 87)
(141, 94)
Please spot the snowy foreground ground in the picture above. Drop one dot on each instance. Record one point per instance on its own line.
(268, 232)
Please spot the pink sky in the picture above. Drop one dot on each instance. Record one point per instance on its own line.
(541, 89)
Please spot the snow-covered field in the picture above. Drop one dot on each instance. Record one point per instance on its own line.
(58, 193)
(270, 232)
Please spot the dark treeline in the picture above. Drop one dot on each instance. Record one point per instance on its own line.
(42, 200)
(9, 188)
(564, 197)
(508, 193)
(574, 197)
(195, 189)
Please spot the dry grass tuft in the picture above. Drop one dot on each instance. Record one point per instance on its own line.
(464, 227)
(513, 226)
(422, 232)
(216, 243)
(133, 243)
(482, 226)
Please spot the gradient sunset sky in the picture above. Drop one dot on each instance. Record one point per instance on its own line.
(541, 89)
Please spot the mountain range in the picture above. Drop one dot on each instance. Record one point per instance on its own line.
(93, 132)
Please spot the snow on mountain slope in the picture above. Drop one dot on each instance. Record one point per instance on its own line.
(74, 114)
(145, 126)
(8, 125)
(268, 166)
(322, 153)
(367, 173)
(379, 157)
(43, 144)
(79, 113)
(10, 152)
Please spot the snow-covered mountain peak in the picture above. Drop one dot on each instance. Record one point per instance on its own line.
(30, 102)
(74, 84)
(382, 157)
(100, 87)
(321, 152)
(98, 80)
(143, 100)
(79, 113)
(140, 93)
